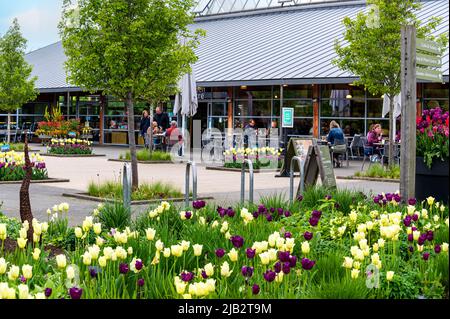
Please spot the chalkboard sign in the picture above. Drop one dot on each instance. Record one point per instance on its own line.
(318, 161)
(296, 147)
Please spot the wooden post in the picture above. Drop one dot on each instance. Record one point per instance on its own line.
(316, 122)
(408, 129)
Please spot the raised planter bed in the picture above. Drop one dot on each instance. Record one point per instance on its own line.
(146, 162)
(226, 169)
(373, 179)
(85, 196)
(41, 181)
(73, 155)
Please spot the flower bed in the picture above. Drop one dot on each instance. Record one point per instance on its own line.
(379, 171)
(262, 158)
(144, 155)
(70, 146)
(325, 245)
(12, 166)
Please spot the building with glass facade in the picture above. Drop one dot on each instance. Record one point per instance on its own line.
(257, 57)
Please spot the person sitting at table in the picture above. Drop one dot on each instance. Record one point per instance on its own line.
(374, 137)
(336, 139)
(173, 136)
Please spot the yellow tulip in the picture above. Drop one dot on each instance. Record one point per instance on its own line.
(27, 271)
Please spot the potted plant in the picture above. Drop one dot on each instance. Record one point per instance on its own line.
(432, 153)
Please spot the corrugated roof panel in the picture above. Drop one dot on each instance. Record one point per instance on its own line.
(293, 44)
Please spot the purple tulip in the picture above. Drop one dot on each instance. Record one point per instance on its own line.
(255, 289)
(48, 292)
(269, 218)
(204, 275)
(188, 215)
(250, 253)
(415, 217)
(430, 235)
(337, 206)
(410, 237)
(384, 201)
(397, 198)
(414, 228)
(75, 292)
(138, 264)
(426, 255)
(269, 275)
(316, 214)
(286, 268)
(277, 267)
(283, 256)
(422, 239)
(140, 282)
(300, 198)
(287, 235)
(308, 235)
(280, 211)
(198, 204)
(222, 211)
(292, 261)
(255, 215)
(437, 248)
(22, 279)
(328, 197)
(313, 221)
(123, 268)
(389, 197)
(411, 249)
(93, 272)
(407, 221)
(237, 241)
(230, 212)
(187, 276)
(376, 200)
(412, 201)
(220, 252)
(247, 271)
(307, 264)
(262, 209)
(272, 210)
(287, 213)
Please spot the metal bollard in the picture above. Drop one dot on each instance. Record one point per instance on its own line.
(126, 185)
(291, 177)
(250, 168)
(190, 165)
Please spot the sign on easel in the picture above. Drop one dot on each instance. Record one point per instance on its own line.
(318, 162)
(296, 147)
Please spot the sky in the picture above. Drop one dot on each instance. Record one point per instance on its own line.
(38, 20)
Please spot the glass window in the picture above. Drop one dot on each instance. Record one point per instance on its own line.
(241, 122)
(350, 127)
(375, 108)
(218, 109)
(276, 108)
(301, 108)
(220, 93)
(252, 108)
(303, 127)
(435, 90)
(342, 108)
(384, 126)
(253, 92)
(340, 91)
(297, 92)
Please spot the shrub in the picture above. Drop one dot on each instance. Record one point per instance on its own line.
(114, 215)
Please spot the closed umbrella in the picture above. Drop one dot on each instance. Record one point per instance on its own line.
(397, 109)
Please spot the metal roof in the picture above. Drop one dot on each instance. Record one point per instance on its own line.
(289, 45)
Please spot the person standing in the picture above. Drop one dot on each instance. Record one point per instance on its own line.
(145, 124)
(161, 118)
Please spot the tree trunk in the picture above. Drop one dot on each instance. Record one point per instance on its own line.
(25, 205)
(391, 131)
(132, 141)
(8, 129)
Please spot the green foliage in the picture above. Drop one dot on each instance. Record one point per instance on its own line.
(380, 171)
(12, 225)
(17, 173)
(338, 288)
(145, 155)
(59, 233)
(16, 83)
(114, 215)
(256, 164)
(113, 189)
(17, 147)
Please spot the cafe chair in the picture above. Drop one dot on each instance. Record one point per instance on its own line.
(368, 153)
(385, 154)
(340, 148)
(354, 145)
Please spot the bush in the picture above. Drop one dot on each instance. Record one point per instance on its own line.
(145, 155)
(379, 171)
(114, 215)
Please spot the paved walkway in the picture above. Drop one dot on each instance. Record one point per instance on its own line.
(223, 186)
